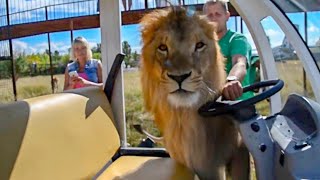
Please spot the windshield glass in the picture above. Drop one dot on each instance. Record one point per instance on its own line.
(305, 15)
(298, 5)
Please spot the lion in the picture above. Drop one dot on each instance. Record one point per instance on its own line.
(181, 69)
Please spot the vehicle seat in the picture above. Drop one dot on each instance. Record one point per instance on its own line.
(70, 135)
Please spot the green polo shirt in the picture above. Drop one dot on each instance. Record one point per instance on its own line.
(233, 43)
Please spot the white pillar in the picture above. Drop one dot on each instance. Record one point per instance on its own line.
(252, 20)
(265, 8)
(110, 24)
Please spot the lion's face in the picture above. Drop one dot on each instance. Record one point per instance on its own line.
(181, 56)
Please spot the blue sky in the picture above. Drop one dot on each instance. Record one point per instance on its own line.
(61, 41)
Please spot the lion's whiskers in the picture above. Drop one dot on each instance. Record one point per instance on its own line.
(209, 94)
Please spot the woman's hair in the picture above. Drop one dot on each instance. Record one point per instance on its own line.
(82, 41)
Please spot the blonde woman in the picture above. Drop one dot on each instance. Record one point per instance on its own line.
(83, 71)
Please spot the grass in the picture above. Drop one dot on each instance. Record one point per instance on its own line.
(28, 87)
(135, 113)
(291, 72)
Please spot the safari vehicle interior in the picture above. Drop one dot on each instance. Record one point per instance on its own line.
(43, 138)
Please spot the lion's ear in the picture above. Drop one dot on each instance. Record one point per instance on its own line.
(214, 26)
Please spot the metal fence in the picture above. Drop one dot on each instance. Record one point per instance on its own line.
(22, 11)
(47, 12)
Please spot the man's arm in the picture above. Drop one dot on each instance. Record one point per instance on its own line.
(233, 89)
(239, 67)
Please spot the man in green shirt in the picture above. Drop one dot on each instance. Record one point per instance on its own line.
(236, 50)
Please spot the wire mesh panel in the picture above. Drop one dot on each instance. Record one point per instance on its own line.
(6, 86)
(3, 13)
(22, 11)
(6, 83)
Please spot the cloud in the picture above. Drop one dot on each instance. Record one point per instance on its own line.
(272, 32)
(60, 46)
(276, 37)
(314, 29)
(43, 45)
(92, 44)
(20, 47)
(136, 48)
(313, 39)
(17, 44)
(23, 47)
(28, 48)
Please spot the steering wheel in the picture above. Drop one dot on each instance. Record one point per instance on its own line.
(212, 108)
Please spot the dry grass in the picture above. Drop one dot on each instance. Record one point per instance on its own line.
(28, 87)
(291, 72)
(36, 86)
(135, 113)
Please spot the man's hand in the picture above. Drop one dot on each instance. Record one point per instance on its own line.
(232, 90)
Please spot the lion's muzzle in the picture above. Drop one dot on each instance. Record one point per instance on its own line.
(179, 78)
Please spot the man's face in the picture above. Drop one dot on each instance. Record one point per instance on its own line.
(216, 13)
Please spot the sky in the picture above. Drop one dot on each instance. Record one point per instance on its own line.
(61, 41)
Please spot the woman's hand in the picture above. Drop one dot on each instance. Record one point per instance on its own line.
(81, 81)
(72, 82)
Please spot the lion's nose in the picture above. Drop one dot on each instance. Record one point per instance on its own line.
(180, 78)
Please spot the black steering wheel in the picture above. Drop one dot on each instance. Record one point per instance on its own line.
(212, 108)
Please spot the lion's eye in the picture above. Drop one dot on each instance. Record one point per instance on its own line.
(163, 47)
(200, 46)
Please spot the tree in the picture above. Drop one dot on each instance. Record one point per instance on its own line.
(65, 59)
(135, 56)
(5, 69)
(21, 65)
(126, 49)
(96, 55)
(96, 49)
(56, 56)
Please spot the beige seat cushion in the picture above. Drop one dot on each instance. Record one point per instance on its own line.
(145, 168)
(66, 136)
(71, 136)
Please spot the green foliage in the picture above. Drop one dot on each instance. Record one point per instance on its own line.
(96, 49)
(135, 56)
(96, 55)
(65, 59)
(21, 65)
(32, 58)
(126, 49)
(5, 69)
(56, 57)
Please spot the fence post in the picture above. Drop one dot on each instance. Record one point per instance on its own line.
(50, 59)
(13, 69)
(146, 4)
(46, 11)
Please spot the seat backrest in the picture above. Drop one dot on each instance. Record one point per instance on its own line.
(69, 135)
